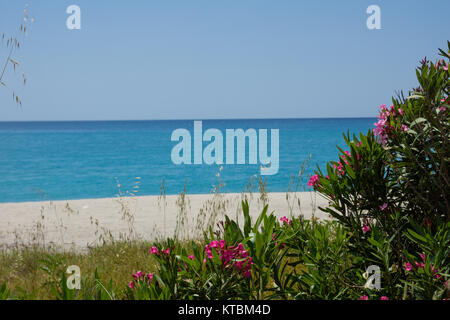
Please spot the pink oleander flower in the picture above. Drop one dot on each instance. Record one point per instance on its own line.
(408, 266)
(191, 257)
(313, 181)
(401, 112)
(434, 271)
(383, 139)
(404, 128)
(285, 220)
(154, 250)
(383, 127)
(137, 275)
(379, 127)
(149, 277)
(365, 228)
(340, 169)
(234, 256)
(384, 298)
(166, 252)
(441, 63)
(364, 297)
(131, 285)
(345, 160)
(214, 244)
(392, 110)
(420, 265)
(383, 206)
(422, 255)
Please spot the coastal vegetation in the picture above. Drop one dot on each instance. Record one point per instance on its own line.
(388, 239)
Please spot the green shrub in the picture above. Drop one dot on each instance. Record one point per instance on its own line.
(396, 180)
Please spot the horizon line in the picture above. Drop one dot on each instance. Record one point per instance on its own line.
(190, 119)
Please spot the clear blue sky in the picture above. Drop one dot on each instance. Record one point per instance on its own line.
(185, 59)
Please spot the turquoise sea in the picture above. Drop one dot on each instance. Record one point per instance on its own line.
(85, 159)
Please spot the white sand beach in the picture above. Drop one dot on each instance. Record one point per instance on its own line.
(82, 223)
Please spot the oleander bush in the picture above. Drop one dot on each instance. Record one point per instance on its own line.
(391, 187)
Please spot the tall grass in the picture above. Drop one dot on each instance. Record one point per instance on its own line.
(32, 268)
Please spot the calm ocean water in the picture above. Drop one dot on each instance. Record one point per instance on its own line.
(75, 160)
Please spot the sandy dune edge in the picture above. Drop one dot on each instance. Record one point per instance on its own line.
(80, 223)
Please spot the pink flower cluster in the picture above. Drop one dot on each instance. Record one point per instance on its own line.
(345, 156)
(139, 276)
(313, 181)
(366, 228)
(285, 221)
(236, 257)
(155, 251)
(383, 128)
(421, 265)
(340, 168)
(441, 64)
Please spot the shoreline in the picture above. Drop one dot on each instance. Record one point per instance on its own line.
(83, 223)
